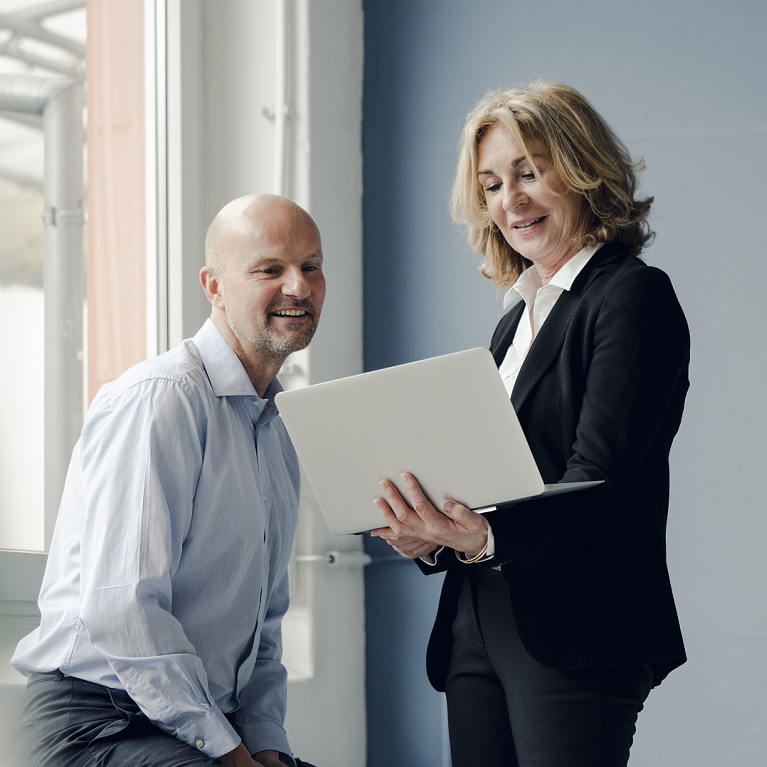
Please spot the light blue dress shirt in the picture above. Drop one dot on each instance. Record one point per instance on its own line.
(167, 575)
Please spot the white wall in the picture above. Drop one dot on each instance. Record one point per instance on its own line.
(326, 712)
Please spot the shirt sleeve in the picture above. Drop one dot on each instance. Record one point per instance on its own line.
(260, 717)
(141, 459)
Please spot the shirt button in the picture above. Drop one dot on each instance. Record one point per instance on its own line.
(199, 743)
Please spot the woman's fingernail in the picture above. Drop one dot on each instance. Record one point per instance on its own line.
(405, 478)
(448, 506)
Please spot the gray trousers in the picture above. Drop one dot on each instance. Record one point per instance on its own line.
(66, 722)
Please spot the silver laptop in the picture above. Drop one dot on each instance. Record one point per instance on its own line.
(447, 420)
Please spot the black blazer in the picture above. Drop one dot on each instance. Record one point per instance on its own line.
(599, 396)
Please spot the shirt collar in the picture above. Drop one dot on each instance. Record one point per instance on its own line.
(528, 282)
(225, 371)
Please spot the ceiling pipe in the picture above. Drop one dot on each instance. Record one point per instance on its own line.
(13, 51)
(53, 8)
(60, 102)
(36, 32)
(31, 121)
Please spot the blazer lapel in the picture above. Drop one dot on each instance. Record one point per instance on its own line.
(548, 342)
(504, 335)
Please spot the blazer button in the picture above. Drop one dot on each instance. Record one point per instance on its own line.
(199, 743)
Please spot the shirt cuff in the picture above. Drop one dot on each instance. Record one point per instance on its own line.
(490, 543)
(266, 735)
(212, 734)
(431, 558)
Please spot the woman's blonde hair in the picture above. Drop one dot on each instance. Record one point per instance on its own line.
(589, 158)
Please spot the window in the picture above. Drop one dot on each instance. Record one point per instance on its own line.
(46, 40)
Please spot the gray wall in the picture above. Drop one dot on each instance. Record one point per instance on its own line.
(684, 85)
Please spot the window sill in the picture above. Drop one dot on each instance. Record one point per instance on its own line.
(21, 575)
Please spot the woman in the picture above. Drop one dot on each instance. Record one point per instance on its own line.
(556, 616)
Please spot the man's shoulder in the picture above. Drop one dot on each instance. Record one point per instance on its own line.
(178, 370)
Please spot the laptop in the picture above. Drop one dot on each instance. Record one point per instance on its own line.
(447, 420)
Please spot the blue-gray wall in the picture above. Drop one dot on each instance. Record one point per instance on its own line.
(685, 85)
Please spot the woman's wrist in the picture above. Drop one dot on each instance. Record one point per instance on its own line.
(486, 552)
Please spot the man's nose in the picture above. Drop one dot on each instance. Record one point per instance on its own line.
(295, 284)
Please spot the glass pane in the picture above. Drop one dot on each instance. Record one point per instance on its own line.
(21, 269)
(21, 338)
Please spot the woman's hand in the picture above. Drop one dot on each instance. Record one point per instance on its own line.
(408, 546)
(420, 528)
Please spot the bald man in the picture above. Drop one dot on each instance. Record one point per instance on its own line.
(159, 641)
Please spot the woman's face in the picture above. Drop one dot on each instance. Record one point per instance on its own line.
(536, 223)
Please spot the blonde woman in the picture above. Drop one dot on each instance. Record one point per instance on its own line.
(556, 617)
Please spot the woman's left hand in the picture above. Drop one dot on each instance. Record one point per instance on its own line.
(420, 527)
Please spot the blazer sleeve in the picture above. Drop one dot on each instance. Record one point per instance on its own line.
(630, 410)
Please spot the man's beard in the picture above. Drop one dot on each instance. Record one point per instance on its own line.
(272, 343)
(280, 345)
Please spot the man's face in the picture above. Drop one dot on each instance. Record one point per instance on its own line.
(273, 286)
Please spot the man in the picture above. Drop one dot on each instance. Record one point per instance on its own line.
(159, 641)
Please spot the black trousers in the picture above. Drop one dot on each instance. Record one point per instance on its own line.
(507, 710)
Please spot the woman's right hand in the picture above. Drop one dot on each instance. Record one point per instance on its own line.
(420, 528)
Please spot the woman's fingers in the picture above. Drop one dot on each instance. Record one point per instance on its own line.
(410, 547)
(418, 500)
(453, 525)
(387, 514)
(399, 519)
(470, 526)
(395, 500)
(460, 514)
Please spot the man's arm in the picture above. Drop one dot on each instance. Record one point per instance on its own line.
(240, 757)
(263, 699)
(141, 457)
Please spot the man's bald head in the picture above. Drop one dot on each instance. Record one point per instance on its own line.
(263, 277)
(255, 216)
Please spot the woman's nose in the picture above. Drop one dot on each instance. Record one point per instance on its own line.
(513, 197)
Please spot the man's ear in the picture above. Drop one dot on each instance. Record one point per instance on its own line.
(212, 287)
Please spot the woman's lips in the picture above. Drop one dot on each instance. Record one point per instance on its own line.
(527, 224)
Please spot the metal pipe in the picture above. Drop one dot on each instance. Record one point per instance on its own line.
(30, 29)
(61, 104)
(282, 97)
(339, 558)
(13, 51)
(29, 94)
(64, 280)
(54, 8)
(32, 121)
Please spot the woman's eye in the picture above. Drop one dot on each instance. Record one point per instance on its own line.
(494, 187)
(528, 176)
